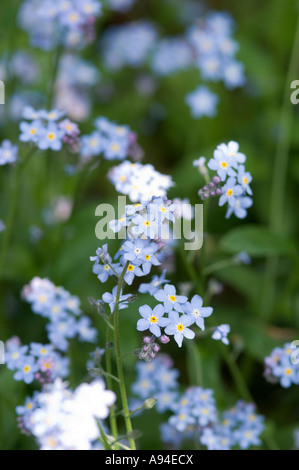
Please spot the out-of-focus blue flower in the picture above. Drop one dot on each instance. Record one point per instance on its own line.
(8, 153)
(153, 286)
(221, 333)
(26, 370)
(202, 102)
(230, 192)
(240, 208)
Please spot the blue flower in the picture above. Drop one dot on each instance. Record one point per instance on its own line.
(26, 370)
(197, 312)
(182, 421)
(15, 355)
(152, 319)
(221, 333)
(31, 132)
(85, 331)
(287, 372)
(39, 350)
(230, 192)
(153, 286)
(8, 153)
(168, 296)
(50, 137)
(131, 272)
(202, 102)
(244, 179)
(91, 145)
(242, 203)
(111, 298)
(223, 164)
(178, 326)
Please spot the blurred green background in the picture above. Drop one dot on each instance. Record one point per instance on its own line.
(260, 301)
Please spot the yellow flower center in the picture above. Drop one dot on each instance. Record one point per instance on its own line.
(223, 164)
(107, 267)
(33, 131)
(147, 257)
(115, 147)
(163, 209)
(121, 219)
(288, 371)
(245, 180)
(130, 267)
(153, 319)
(122, 178)
(27, 369)
(51, 136)
(147, 223)
(230, 192)
(172, 298)
(180, 327)
(29, 406)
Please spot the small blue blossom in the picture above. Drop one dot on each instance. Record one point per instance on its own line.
(240, 208)
(223, 164)
(178, 326)
(168, 296)
(197, 312)
(202, 102)
(221, 333)
(8, 153)
(152, 319)
(153, 286)
(111, 299)
(26, 370)
(230, 191)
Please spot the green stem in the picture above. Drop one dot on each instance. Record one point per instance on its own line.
(55, 61)
(119, 360)
(13, 209)
(236, 375)
(112, 417)
(194, 362)
(279, 178)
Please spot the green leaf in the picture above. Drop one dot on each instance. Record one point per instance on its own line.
(256, 241)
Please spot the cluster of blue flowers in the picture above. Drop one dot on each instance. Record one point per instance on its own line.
(67, 22)
(8, 153)
(196, 417)
(156, 379)
(215, 49)
(139, 182)
(194, 412)
(62, 310)
(74, 83)
(207, 45)
(283, 366)
(232, 182)
(128, 45)
(47, 129)
(147, 226)
(114, 141)
(37, 361)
